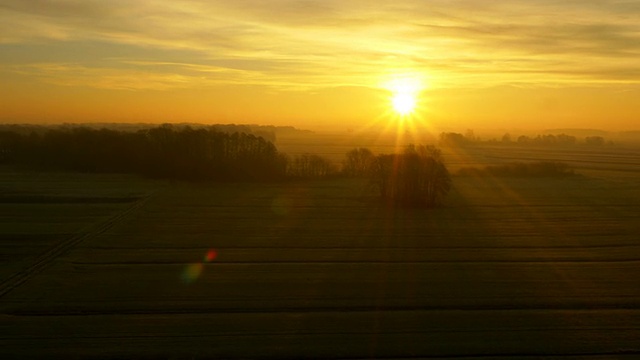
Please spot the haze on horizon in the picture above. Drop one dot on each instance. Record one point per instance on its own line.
(321, 63)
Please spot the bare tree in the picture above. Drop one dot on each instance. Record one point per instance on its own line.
(357, 162)
(308, 166)
(418, 177)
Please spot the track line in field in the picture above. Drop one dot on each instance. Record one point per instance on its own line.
(370, 249)
(364, 262)
(47, 257)
(624, 307)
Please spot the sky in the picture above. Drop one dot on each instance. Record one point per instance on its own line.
(518, 64)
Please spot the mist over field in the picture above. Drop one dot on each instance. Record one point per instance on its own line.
(226, 241)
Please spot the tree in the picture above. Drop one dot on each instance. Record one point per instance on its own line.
(310, 166)
(357, 162)
(416, 178)
(453, 139)
(523, 139)
(594, 140)
(564, 139)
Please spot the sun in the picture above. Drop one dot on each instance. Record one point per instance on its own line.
(403, 103)
(404, 95)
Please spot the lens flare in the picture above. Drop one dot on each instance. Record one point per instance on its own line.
(211, 255)
(192, 272)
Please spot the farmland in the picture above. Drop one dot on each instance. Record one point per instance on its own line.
(116, 266)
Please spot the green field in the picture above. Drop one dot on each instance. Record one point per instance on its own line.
(115, 266)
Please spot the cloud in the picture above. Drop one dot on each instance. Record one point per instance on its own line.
(104, 78)
(312, 43)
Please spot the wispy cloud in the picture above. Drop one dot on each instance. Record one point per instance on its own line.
(105, 78)
(314, 43)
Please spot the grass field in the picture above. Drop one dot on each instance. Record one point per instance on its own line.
(112, 266)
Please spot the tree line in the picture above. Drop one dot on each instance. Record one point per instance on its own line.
(454, 139)
(416, 177)
(160, 152)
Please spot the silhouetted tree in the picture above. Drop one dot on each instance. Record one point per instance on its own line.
(418, 177)
(564, 139)
(453, 139)
(164, 151)
(523, 140)
(594, 140)
(357, 162)
(310, 166)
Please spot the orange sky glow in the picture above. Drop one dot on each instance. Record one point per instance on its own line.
(322, 63)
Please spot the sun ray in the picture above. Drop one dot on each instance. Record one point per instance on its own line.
(404, 124)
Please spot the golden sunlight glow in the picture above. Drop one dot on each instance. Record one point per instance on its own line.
(409, 63)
